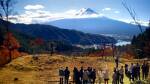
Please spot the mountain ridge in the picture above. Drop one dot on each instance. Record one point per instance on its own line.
(48, 32)
(98, 25)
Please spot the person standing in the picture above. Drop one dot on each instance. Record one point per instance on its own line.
(131, 72)
(89, 74)
(85, 77)
(61, 74)
(134, 72)
(106, 76)
(93, 76)
(81, 75)
(138, 71)
(114, 77)
(147, 70)
(100, 76)
(126, 69)
(76, 76)
(143, 70)
(67, 74)
(121, 73)
(117, 76)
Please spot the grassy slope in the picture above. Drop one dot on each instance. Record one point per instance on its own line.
(30, 71)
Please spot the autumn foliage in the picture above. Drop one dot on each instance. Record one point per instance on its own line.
(37, 41)
(99, 53)
(9, 48)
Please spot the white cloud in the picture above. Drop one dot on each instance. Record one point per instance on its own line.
(142, 22)
(41, 16)
(110, 9)
(29, 17)
(130, 21)
(20, 19)
(33, 7)
(71, 11)
(116, 12)
(106, 9)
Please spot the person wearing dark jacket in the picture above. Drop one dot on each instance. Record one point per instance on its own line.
(93, 76)
(143, 70)
(81, 75)
(126, 69)
(117, 76)
(67, 74)
(76, 76)
(89, 69)
(134, 73)
(131, 76)
(147, 70)
(138, 71)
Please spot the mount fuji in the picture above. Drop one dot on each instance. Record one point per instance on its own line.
(97, 24)
(86, 11)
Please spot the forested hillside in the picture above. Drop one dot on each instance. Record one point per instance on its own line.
(141, 44)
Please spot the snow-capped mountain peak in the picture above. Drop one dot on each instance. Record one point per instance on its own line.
(86, 11)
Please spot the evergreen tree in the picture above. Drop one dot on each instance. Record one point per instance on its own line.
(141, 44)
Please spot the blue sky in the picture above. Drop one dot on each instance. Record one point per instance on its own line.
(109, 8)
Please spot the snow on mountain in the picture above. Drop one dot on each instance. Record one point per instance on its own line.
(89, 21)
(86, 11)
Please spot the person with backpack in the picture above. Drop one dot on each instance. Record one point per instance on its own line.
(67, 74)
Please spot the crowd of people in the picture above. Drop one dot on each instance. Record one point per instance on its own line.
(118, 75)
(133, 72)
(89, 75)
(82, 76)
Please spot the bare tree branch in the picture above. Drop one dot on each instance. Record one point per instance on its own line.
(149, 24)
(5, 11)
(132, 14)
(6, 7)
(1, 16)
